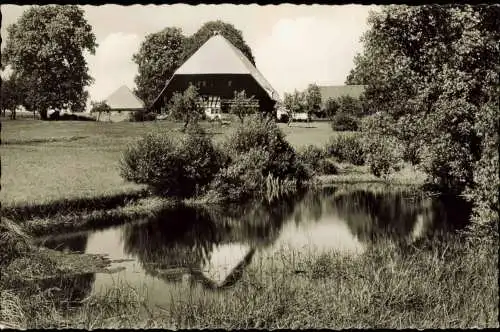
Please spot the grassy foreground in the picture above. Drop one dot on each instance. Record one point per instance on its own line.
(444, 286)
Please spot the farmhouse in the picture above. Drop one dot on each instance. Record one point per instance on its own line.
(123, 103)
(219, 69)
(336, 91)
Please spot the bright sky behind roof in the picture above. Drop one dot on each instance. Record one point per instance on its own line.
(292, 45)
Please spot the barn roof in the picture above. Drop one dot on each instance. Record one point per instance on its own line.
(124, 99)
(335, 91)
(218, 56)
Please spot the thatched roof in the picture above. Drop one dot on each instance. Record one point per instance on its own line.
(335, 91)
(219, 56)
(124, 99)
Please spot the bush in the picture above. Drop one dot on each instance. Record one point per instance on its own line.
(262, 133)
(311, 156)
(346, 148)
(176, 168)
(384, 154)
(327, 167)
(257, 152)
(243, 178)
(345, 122)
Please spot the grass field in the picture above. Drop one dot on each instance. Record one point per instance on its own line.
(45, 161)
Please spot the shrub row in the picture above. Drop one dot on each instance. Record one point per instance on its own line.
(192, 165)
(383, 154)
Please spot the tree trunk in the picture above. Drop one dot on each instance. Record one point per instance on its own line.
(43, 114)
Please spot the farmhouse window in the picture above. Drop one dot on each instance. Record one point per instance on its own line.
(229, 83)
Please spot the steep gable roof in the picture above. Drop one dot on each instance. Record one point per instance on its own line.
(218, 56)
(335, 91)
(124, 98)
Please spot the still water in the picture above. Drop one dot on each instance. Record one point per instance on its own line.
(215, 245)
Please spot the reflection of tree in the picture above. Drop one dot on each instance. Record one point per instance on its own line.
(180, 237)
(371, 214)
(180, 240)
(394, 212)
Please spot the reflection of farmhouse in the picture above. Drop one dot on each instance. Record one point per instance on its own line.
(219, 69)
(123, 103)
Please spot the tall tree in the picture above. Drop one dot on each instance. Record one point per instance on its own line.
(227, 30)
(10, 98)
(427, 69)
(331, 108)
(159, 56)
(313, 98)
(45, 50)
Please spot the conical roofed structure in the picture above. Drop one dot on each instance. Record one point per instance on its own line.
(218, 69)
(124, 99)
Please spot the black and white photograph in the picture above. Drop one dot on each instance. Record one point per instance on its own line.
(249, 166)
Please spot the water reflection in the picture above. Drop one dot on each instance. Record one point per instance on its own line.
(212, 246)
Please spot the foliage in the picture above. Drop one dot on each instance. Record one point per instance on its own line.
(185, 106)
(484, 191)
(261, 132)
(160, 54)
(207, 30)
(141, 115)
(430, 70)
(241, 105)
(327, 167)
(383, 154)
(10, 96)
(45, 51)
(294, 103)
(313, 98)
(331, 108)
(243, 178)
(312, 156)
(345, 122)
(175, 168)
(100, 107)
(307, 101)
(346, 148)
(350, 105)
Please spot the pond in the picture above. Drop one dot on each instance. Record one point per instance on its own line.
(209, 248)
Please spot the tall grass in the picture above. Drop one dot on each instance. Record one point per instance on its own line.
(445, 285)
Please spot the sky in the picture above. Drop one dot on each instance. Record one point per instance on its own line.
(293, 45)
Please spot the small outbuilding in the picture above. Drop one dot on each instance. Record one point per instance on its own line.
(123, 103)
